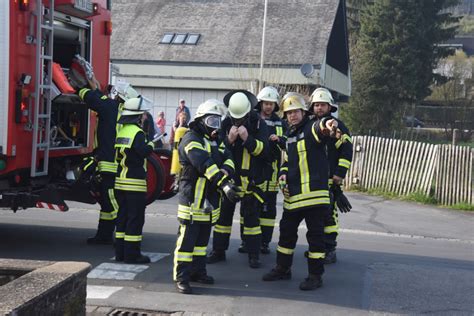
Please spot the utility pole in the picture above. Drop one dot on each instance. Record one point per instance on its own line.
(262, 53)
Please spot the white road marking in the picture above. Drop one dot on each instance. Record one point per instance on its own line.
(154, 256)
(116, 271)
(101, 292)
(385, 234)
(369, 232)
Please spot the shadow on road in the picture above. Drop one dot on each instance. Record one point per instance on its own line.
(364, 280)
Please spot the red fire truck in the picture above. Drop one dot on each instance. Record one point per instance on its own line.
(45, 134)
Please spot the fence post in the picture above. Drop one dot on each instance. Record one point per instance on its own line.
(455, 136)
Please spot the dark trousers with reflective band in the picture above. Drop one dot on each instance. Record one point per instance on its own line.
(190, 252)
(130, 221)
(268, 215)
(108, 206)
(250, 209)
(289, 223)
(331, 228)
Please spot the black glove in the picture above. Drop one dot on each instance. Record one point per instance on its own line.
(231, 191)
(340, 199)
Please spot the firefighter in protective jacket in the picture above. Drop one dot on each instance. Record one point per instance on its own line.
(267, 107)
(206, 167)
(108, 111)
(131, 150)
(303, 177)
(340, 158)
(246, 136)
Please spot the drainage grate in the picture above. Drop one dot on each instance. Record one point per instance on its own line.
(130, 312)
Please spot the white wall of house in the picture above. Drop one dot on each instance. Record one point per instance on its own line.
(167, 99)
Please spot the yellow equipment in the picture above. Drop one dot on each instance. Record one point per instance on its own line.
(175, 165)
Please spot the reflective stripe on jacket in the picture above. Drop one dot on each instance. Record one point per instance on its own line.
(306, 167)
(108, 111)
(131, 151)
(252, 159)
(277, 127)
(340, 152)
(201, 159)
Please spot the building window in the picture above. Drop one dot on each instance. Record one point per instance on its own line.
(179, 38)
(192, 39)
(167, 38)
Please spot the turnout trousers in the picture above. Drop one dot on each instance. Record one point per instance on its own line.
(130, 221)
(250, 208)
(268, 215)
(289, 223)
(190, 252)
(108, 206)
(331, 229)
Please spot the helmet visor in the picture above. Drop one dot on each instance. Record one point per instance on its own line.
(213, 121)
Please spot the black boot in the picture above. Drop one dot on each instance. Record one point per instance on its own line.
(312, 282)
(264, 248)
(104, 235)
(141, 259)
(278, 273)
(183, 287)
(98, 240)
(216, 256)
(202, 278)
(330, 257)
(243, 248)
(254, 261)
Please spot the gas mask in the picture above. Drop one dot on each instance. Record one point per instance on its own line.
(211, 124)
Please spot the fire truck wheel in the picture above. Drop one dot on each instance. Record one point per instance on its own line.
(155, 179)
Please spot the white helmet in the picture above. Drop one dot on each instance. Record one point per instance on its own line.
(211, 111)
(136, 106)
(239, 105)
(211, 106)
(323, 95)
(125, 90)
(269, 94)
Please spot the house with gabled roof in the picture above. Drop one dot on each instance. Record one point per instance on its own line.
(196, 50)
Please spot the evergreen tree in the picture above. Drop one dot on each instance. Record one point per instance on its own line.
(394, 60)
(354, 10)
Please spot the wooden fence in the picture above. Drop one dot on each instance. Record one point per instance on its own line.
(404, 167)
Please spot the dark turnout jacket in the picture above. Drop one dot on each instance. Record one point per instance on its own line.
(306, 166)
(251, 158)
(201, 159)
(108, 111)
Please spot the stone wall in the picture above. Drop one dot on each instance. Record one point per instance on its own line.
(43, 287)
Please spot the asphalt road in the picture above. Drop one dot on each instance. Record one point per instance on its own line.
(393, 258)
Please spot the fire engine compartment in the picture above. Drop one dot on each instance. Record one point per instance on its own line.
(69, 114)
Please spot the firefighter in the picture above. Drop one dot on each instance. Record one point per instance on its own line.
(206, 167)
(340, 157)
(131, 150)
(267, 107)
(246, 136)
(303, 177)
(108, 111)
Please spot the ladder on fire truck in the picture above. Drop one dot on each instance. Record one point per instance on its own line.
(44, 77)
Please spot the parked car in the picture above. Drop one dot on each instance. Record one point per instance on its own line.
(413, 121)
